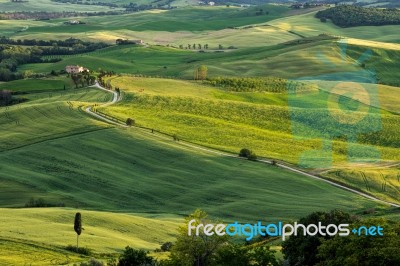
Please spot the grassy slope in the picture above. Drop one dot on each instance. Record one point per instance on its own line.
(182, 19)
(138, 174)
(25, 252)
(279, 60)
(288, 61)
(37, 85)
(105, 232)
(230, 121)
(46, 115)
(180, 26)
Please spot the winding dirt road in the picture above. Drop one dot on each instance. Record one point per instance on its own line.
(197, 147)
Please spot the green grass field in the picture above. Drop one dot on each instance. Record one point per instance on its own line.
(230, 121)
(139, 174)
(141, 186)
(182, 19)
(46, 115)
(175, 27)
(57, 152)
(321, 57)
(25, 86)
(134, 187)
(155, 179)
(41, 235)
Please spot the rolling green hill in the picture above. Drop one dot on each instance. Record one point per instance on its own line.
(229, 120)
(321, 55)
(133, 187)
(46, 115)
(62, 155)
(139, 174)
(39, 236)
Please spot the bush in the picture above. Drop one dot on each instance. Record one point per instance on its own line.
(135, 257)
(252, 157)
(41, 203)
(130, 122)
(82, 251)
(92, 262)
(166, 246)
(246, 153)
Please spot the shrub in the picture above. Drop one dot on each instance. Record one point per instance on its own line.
(244, 153)
(252, 157)
(135, 257)
(80, 250)
(249, 154)
(92, 262)
(130, 122)
(166, 246)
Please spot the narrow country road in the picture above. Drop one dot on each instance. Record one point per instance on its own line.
(113, 101)
(197, 147)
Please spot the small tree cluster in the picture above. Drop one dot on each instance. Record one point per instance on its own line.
(5, 98)
(130, 122)
(249, 154)
(201, 73)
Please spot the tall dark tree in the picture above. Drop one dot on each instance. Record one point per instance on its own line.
(78, 227)
(5, 97)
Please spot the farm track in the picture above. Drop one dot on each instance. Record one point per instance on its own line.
(192, 146)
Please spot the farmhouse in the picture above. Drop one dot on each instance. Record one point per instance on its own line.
(75, 69)
(74, 22)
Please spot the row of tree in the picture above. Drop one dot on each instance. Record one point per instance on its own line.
(270, 84)
(44, 15)
(194, 46)
(70, 42)
(351, 16)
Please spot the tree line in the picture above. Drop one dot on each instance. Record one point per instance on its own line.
(45, 15)
(13, 54)
(351, 16)
(57, 47)
(70, 42)
(268, 84)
